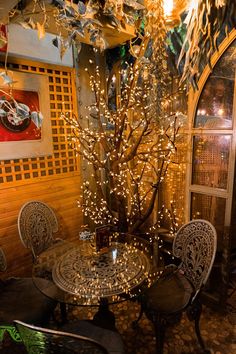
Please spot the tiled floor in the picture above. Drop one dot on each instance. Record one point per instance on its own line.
(219, 332)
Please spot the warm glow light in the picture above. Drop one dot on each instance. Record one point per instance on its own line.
(168, 7)
(173, 10)
(193, 4)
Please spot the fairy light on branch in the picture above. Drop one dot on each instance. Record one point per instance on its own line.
(129, 149)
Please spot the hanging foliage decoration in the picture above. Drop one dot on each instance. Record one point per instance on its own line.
(206, 21)
(76, 21)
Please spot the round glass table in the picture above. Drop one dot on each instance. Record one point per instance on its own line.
(77, 274)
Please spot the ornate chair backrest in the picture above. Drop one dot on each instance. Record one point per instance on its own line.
(37, 223)
(45, 341)
(3, 262)
(195, 244)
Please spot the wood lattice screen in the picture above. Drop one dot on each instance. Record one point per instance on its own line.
(62, 97)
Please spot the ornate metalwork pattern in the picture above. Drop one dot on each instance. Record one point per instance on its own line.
(195, 244)
(44, 341)
(84, 272)
(36, 223)
(3, 262)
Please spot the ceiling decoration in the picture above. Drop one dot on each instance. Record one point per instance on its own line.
(103, 24)
(109, 23)
(206, 20)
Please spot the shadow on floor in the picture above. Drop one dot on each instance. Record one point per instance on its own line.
(218, 331)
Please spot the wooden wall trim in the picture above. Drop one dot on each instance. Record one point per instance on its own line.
(29, 62)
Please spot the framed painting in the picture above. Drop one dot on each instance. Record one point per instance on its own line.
(25, 125)
(3, 38)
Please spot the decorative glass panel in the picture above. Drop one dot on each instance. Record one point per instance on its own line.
(211, 160)
(210, 208)
(215, 106)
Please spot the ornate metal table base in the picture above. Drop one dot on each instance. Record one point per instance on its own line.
(75, 273)
(104, 317)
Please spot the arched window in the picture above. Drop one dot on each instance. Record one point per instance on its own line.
(213, 144)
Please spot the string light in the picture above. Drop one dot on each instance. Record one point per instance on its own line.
(130, 149)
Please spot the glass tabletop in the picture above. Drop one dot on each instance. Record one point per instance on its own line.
(75, 273)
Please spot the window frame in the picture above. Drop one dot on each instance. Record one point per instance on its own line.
(193, 100)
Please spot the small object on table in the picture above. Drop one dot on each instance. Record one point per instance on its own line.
(102, 237)
(85, 235)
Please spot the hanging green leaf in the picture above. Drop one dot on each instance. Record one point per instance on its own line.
(55, 42)
(81, 8)
(7, 80)
(205, 22)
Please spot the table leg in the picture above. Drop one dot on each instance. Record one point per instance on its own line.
(63, 312)
(104, 317)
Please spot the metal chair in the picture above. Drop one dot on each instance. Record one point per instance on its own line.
(37, 224)
(47, 341)
(179, 287)
(20, 299)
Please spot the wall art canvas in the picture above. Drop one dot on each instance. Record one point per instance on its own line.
(25, 127)
(3, 38)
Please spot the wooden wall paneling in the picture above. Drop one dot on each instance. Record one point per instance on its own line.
(54, 179)
(63, 202)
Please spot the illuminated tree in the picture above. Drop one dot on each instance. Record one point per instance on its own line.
(129, 148)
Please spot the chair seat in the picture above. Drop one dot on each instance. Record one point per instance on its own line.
(111, 340)
(20, 299)
(169, 294)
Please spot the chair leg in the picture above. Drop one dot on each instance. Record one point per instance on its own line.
(63, 312)
(135, 323)
(194, 313)
(160, 328)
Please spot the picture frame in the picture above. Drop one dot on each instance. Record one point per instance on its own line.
(33, 91)
(3, 38)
